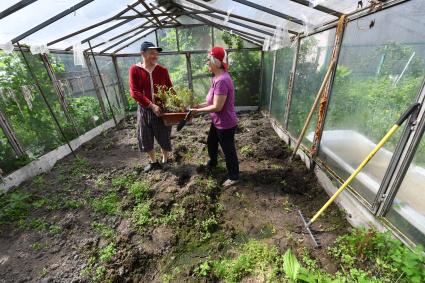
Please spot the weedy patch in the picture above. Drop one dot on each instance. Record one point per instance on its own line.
(140, 190)
(247, 151)
(14, 206)
(141, 214)
(108, 204)
(103, 229)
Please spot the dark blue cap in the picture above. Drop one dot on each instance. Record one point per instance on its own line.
(149, 45)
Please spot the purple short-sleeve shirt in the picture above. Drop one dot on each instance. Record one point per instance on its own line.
(223, 85)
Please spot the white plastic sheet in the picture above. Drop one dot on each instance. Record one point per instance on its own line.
(314, 3)
(307, 26)
(227, 17)
(78, 52)
(39, 49)
(266, 44)
(7, 47)
(280, 38)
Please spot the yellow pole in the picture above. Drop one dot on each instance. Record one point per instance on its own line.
(354, 174)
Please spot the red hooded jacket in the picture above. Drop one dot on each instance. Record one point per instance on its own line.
(141, 82)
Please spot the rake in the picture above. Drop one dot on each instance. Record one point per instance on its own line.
(307, 223)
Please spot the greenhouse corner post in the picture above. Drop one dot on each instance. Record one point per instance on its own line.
(189, 73)
(11, 136)
(261, 80)
(96, 86)
(120, 82)
(44, 98)
(291, 84)
(324, 102)
(103, 85)
(272, 82)
(177, 39)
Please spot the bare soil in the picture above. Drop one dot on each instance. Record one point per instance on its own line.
(263, 206)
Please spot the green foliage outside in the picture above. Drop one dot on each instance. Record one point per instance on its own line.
(364, 98)
(26, 110)
(28, 114)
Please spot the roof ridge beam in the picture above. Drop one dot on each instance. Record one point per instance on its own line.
(92, 26)
(270, 11)
(319, 8)
(218, 11)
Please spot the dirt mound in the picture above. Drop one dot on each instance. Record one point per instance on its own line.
(100, 218)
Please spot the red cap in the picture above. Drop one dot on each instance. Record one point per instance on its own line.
(220, 54)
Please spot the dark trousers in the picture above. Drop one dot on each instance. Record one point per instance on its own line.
(149, 126)
(226, 139)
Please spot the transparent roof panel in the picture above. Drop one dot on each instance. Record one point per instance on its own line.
(231, 26)
(90, 14)
(185, 20)
(6, 4)
(30, 16)
(119, 41)
(345, 6)
(296, 11)
(135, 47)
(133, 26)
(294, 17)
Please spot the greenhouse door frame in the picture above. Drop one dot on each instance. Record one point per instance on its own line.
(402, 157)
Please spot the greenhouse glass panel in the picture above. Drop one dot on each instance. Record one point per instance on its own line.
(199, 64)
(379, 74)
(25, 108)
(267, 80)
(195, 38)
(9, 162)
(25, 19)
(201, 77)
(244, 67)
(134, 47)
(284, 62)
(233, 41)
(248, 12)
(201, 85)
(109, 77)
(167, 39)
(177, 68)
(312, 63)
(124, 64)
(77, 86)
(408, 210)
(218, 38)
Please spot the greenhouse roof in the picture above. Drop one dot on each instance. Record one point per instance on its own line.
(112, 25)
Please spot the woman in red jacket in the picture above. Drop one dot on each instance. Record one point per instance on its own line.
(145, 78)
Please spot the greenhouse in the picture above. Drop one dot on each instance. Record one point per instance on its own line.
(329, 97)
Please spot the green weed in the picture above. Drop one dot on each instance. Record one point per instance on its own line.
(107, 253)
(108, 204)
(103, 229)
(141, 214)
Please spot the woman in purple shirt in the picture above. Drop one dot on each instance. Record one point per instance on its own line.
(220, 103)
